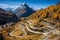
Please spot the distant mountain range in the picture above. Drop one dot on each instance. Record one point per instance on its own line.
(7, 15)
(52, 12)
(23, 11)
(9, 9)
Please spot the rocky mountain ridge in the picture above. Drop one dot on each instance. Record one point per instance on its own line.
(24, 10)
(6, 17)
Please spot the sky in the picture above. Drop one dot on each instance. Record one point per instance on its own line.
(35, 4)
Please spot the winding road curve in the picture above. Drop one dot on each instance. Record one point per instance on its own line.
(23, 25)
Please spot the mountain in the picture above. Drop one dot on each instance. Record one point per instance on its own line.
(1, 10)
(6, 17)
(51, 12)
(41, 25)
(24, 10)
(9, 9)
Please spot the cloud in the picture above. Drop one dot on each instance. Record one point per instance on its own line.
(3, 5)
(8, 5)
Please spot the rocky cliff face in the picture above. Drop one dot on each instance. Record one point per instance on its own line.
(6, 17)
(24, 10)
